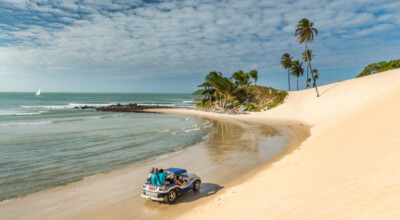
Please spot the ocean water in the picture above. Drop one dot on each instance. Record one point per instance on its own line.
(45, 142)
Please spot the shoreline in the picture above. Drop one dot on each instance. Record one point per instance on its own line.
(93, 209)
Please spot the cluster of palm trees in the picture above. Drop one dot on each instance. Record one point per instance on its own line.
(305, 33)
(242, 78)
(226, 88)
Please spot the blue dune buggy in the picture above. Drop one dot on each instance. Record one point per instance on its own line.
(171, 192)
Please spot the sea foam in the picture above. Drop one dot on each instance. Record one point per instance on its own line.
(26, 123)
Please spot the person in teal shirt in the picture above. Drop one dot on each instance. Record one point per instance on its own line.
(155, 180)
(162, 178)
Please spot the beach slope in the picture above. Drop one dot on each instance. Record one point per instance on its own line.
(347, 169)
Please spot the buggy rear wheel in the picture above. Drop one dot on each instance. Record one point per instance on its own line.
(171, 196)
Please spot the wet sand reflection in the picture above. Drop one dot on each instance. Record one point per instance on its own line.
(228, 141)
(230, 152)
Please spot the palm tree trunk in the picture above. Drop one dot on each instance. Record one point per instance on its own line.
(314, 78)
(297, 83)
(288, 79)
(312, 74)
(307, 72)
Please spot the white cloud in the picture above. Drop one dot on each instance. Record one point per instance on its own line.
(375, 29)
(17, 3)
(114, 39)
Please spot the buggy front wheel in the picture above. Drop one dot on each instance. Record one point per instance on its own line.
(196, 185)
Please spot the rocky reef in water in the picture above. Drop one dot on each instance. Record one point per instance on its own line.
(124, 108)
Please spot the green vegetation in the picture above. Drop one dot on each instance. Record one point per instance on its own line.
(279, 98)
(379, 67)
(256, 98)
(198, 92)
(236, 93)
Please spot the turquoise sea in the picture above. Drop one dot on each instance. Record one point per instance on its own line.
(46, 142)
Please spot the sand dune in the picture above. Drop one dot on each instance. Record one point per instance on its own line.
(347, 169)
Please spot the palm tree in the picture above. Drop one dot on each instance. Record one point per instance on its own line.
(310, 55)
(227, 86)
(254, 75)
(287, 63)
(297, 70)
(223, 86)
(214, 79)
(305, 33)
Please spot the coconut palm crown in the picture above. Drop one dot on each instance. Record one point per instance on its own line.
(305, 31)
(241, 78)
(309, 54)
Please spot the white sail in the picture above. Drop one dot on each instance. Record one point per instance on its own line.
(38, 93)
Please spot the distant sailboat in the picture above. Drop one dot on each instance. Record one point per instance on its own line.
(38, 93)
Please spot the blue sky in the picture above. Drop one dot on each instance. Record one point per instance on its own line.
(169, 46)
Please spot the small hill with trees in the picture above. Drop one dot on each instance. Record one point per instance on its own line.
(379, 67)
(237, 94)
